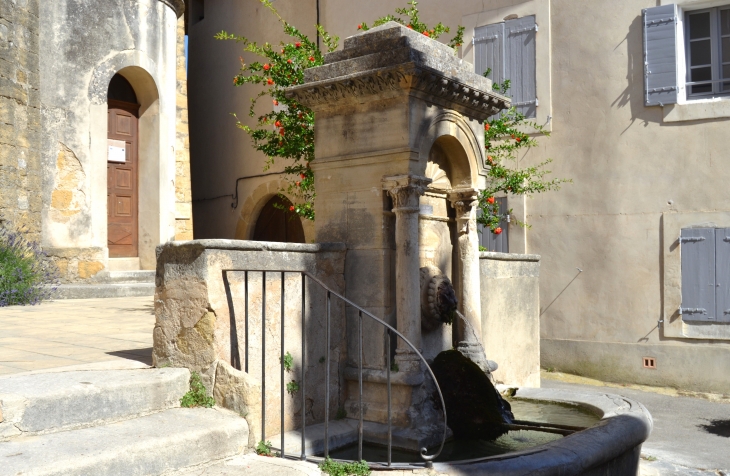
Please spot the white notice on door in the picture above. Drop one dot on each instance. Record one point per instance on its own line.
(117, 151)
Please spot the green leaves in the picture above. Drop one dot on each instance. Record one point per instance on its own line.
(197, 395)
(286, 130)
(413, 21)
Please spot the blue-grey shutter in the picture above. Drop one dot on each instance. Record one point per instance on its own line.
(660, 55)
(698, 274)
(722, 274)
(520, 57)
(490, 241)
(489, 51)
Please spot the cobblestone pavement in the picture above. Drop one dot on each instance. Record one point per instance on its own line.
(75, 331)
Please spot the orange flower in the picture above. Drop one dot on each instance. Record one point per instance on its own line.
(486, 127)
(359, 27)
(276, 103)
(269, 81)
(267, 67)
(490, 200)
(426, 33)
(497, 231)
(291, 208)
(277, 123)
(281, 131)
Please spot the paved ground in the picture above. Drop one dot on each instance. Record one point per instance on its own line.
(691, 434)
(75, 331)
(684, 436)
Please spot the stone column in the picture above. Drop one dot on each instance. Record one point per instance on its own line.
(406, 190)
(465, 203)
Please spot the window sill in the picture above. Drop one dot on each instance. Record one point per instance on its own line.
(697, 110)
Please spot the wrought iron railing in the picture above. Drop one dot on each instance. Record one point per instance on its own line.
(428, 459)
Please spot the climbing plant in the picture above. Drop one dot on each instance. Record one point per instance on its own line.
(504, 139)
(286, 130)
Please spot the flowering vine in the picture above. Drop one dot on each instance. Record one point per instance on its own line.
(504, 138)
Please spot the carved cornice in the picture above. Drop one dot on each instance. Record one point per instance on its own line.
(406, 191)
(178, 6)
(473, 102)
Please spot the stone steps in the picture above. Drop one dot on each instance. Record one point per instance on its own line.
(150, 445)
(95, 291)
(51, 402)
(110, 284)
(110, 422)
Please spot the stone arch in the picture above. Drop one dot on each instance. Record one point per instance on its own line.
(255, 203)
(154, 151)
(461, 151)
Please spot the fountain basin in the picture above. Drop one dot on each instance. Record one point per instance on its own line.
(611, 446)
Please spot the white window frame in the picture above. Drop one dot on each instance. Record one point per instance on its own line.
(692, 108)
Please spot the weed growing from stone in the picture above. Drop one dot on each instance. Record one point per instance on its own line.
(321, 360)
(197, 395)
(27, 275)
(394, 366)
(292, 387)
(287, 361)
(263, 448)
(341, 414)
(337, 468)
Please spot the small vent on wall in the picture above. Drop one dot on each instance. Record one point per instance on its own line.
(649, 363)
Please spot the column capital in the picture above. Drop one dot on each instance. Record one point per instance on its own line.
(405, 190)
(464, 200)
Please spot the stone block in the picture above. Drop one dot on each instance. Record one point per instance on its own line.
(87, 269)
(240, 392)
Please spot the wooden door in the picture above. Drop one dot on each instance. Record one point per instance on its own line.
(122, 181)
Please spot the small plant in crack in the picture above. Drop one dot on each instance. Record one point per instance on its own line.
(292, 387)
(263, 448)
(287, 361)
(341, 414)
(337, 468)
(197, 396)
(394, 366)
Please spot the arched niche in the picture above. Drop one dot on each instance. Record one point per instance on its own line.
(276, 222)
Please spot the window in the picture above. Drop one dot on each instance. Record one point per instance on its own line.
(508, 50)
(707, 50)
(705, 256)
(686, 54)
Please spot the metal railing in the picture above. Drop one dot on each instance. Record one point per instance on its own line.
(428, 459)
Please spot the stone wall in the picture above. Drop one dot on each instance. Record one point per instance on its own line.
(202, 324)
(183, 198)
(20, 169)
(511, 316)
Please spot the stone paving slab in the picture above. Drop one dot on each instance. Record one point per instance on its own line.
(74, 332)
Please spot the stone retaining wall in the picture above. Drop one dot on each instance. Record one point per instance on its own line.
(201, 324)
(511, 316)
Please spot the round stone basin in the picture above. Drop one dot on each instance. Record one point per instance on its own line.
(611, 443)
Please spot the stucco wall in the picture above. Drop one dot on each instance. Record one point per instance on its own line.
(631, 165)
(20, 165)
(84, 43)
(183, 196)
(511, 316)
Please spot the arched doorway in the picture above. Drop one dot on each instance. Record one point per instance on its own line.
(122, 169)
(277, 223)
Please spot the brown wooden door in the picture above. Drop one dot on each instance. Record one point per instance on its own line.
(122, 182)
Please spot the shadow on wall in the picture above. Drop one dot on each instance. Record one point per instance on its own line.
(633, 94)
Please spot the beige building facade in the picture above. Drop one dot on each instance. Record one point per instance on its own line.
(96, 165)
(612, 285)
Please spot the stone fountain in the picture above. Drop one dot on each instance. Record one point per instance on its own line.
(400, 160)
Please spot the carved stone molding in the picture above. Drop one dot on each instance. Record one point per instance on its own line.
(464, 201)
(405, 190)
(178, 6)
(473, 102)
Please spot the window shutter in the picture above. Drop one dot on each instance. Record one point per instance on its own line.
(489, 51)
(490, 241)
(698, 274)
(660, 55)
(520, 59)
(722, 274)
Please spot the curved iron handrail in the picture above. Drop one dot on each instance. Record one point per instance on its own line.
(428, 459)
